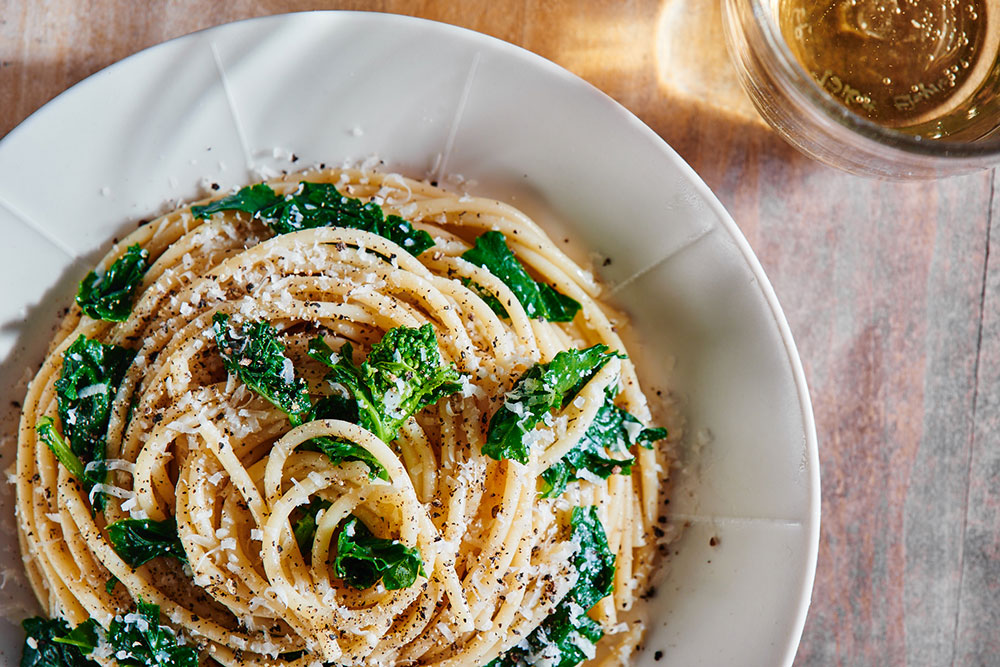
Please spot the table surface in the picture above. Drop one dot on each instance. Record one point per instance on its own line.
(891, 291)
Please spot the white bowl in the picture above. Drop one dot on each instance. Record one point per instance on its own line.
(431, 99)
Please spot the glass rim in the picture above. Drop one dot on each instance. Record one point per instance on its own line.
(801, 82)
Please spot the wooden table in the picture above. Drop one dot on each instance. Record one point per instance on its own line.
(891, 291)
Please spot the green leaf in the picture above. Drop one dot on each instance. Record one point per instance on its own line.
(138, 541)
(567, 629)
(542, 388)
(258, 359)
(540, 301)
(556, 478)
(108, 296)
(590, 453)
(138, 640)
(560, 307)
(593, 561)
(491, 301)
(363, 559)
(92, 372)
(304, 528)
(250, 199)
(352, 378)
(319, 205)
(611, 431)
(606, 433)
(334, 406)
(42, 647)
(83, 636)
(403, 374)
(562, 635)
(651, 435)
(339, 450)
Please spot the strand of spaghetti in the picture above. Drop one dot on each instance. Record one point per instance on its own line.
(478, 276)
(580, 413)
(487, 215)
(397, 475)
(223, 451)
(419, 458)
(509, 528)
(137, 584)
(198, 534)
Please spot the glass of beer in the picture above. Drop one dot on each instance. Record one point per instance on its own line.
(892, 88)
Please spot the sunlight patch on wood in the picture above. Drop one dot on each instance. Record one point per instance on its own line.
(692, 62)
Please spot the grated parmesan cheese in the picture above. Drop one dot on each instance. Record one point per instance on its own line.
(93, 390)
(115, 491)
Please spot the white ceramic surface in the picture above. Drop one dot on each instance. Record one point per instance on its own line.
(432, 100)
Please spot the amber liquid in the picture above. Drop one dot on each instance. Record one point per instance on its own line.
(928, 67)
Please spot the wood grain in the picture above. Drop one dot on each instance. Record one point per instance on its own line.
(892, 292)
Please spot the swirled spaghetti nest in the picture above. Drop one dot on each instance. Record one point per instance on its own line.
(187, 440)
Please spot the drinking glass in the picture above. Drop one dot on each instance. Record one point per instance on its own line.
(792, 101)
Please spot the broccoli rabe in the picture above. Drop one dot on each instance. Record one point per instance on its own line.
(404, 373)
(256, 356)
(138, 541)
(363, 559)
(135, 640)
(540, 300)
(92, 372)
(108, 296)
(566, 633)
(318, 205)
(542, 388)
(613, 430)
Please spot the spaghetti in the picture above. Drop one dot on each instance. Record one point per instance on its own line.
(255, 507)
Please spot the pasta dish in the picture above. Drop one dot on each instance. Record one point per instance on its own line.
(338, 418)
